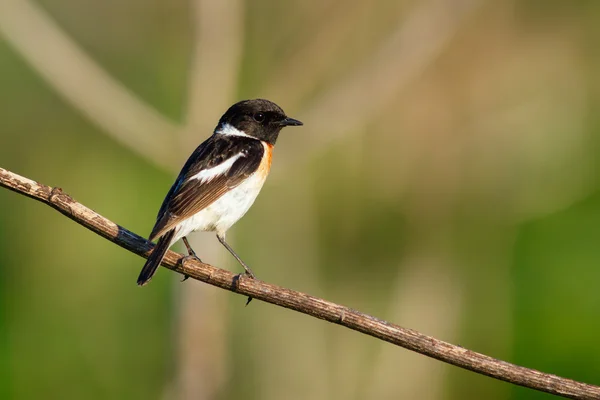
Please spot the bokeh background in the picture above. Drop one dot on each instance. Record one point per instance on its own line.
(445, 179)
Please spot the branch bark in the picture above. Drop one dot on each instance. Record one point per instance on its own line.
(301, 302)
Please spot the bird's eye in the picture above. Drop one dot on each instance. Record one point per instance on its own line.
(259, 117)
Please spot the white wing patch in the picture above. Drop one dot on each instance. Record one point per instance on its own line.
(208, 175)
(229, 130)
(225, 211)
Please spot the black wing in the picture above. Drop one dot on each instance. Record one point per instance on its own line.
(189, 195)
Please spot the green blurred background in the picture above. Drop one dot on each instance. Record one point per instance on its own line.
(445, 179)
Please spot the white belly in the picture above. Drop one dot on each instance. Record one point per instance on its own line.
(225, 211)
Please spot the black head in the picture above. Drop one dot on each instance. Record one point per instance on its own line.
(258, 118)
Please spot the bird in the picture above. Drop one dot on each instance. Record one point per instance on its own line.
(220, 180)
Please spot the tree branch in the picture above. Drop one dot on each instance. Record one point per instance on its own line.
(301, 302)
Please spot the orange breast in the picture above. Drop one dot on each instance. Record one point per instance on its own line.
(265, 165)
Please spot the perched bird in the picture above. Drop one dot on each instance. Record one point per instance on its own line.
(220, 180)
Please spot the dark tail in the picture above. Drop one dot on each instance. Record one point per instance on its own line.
(155, 258)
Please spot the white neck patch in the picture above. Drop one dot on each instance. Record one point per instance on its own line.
(229, 130)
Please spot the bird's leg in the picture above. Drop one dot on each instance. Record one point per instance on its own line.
(228, 247)
(191, 253)
(233, 253)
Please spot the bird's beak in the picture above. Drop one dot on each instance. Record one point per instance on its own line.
(290, 122)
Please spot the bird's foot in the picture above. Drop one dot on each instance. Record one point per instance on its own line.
(192, 253)
(248, 272)
(186, 259)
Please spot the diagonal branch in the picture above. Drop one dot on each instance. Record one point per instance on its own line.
(301, 302)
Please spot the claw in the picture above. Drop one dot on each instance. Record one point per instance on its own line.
(183, 261)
